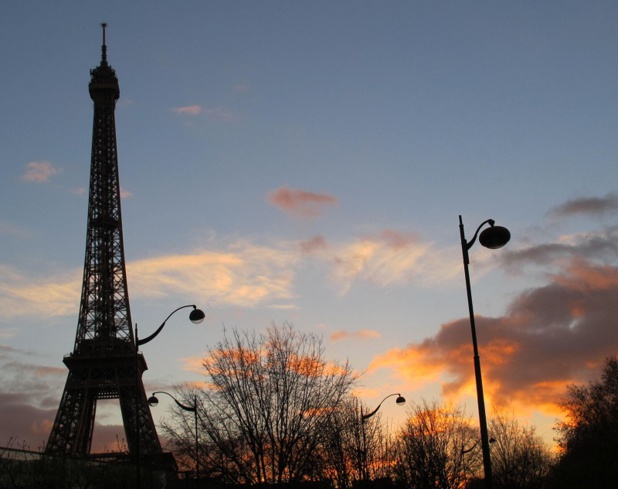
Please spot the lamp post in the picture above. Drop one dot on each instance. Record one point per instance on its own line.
(493, 237)
(196, 316)
(400, 401)
(153, 401)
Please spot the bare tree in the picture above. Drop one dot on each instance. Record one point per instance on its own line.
(265, 413)
(378, 449)
(342, 444)
(520, 458)
(356, 450)
(437, 448)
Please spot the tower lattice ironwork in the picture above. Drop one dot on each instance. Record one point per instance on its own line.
(105, 362)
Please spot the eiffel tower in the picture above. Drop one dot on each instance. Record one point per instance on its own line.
(105, 362)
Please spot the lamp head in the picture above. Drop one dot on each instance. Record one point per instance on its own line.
(153, 401)
(197, 315)
(400, 401)
(494, 237)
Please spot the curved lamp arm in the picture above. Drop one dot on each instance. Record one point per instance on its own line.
(400, 402)
(153, 401)
(196, 316)
(467, 245)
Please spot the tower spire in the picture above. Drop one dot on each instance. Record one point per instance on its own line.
(104, 46)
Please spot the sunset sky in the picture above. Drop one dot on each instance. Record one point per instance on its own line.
(307, 162)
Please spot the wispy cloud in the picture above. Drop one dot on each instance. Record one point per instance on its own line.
(313, 244)
(241, 88)
(391, 258)
(245, 275)
(221, 114)
(53, 296)
(300, 203)
(217, 114)
(365, 334)
(79, 191)
(188, 110)
(590, 206)
(39, 172)
(15, 230)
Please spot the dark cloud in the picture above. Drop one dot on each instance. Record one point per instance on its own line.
(600, 247)
(591, 206)
(23, 424)
(29, 396)
(551, 336)
(316, 243)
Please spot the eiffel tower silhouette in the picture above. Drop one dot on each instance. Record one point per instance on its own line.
(105, 362)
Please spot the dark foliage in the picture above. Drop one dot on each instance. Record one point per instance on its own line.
(589, 436)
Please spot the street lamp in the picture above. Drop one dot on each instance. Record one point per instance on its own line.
(400, 401)
(196, 316)
(493, 237)
(153, 401)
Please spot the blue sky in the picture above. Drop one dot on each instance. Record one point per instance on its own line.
(307, 162)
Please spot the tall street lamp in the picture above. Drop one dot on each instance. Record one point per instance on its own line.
(153, 401)
(493, 237)
(400, 401)
(196, 316)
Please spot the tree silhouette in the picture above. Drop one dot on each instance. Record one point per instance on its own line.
(438, 448)
(588, 437)
(520, 458)
(265, 412)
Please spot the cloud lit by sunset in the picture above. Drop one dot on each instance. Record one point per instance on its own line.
(300, 203)
(39, 172)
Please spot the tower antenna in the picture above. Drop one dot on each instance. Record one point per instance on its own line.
(104, 47)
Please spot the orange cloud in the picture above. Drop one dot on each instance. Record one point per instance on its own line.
(39, 172)
(364, 334)
(244, 276)
(219, 114)
(300, 203)
(391, 258)
(551, 336)
(20, 294)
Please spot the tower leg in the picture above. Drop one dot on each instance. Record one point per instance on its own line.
(90, 379)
